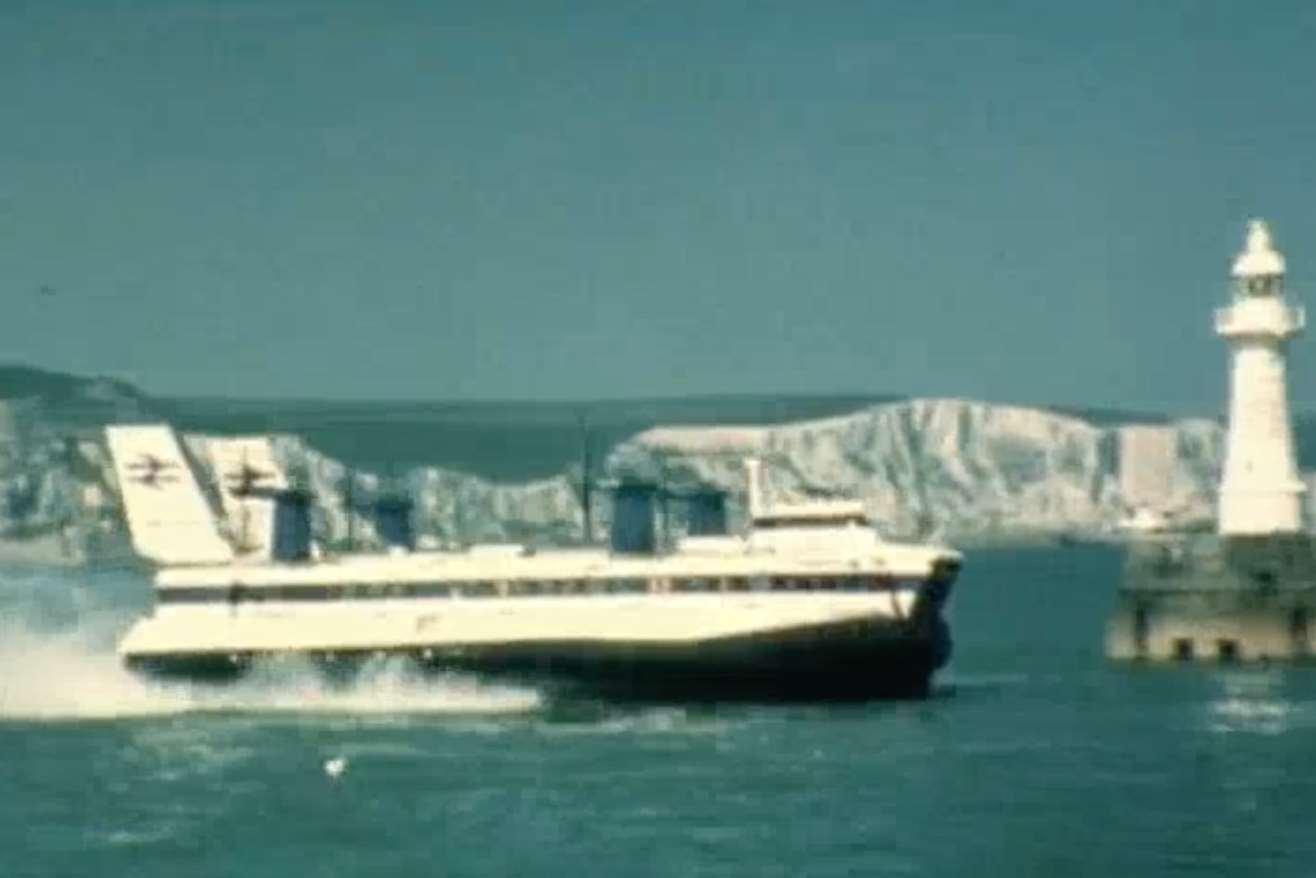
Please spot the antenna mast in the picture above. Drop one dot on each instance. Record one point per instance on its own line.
(586, 479)
(349, 502)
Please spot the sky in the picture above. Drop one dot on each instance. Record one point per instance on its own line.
(1021, 202)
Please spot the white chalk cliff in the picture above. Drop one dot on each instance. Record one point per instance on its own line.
(960, 470)
(955, 469)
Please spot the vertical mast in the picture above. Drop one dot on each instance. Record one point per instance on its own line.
(586, 481)
(754, 488)
(1260, 492)
(349, 503)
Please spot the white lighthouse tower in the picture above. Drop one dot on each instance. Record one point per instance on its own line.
(1260, 492)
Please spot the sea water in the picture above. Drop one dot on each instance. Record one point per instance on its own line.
(1033, 757)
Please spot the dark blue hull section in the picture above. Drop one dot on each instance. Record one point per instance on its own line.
(861, 663)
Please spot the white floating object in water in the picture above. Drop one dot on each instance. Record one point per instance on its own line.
(335, 767)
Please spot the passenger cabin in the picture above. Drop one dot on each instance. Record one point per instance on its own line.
(822, 526)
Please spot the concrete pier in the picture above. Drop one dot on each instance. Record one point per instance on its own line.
(1208, 598)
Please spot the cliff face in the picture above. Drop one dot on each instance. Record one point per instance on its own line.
(31, 464)
(57, 492)
(449, 507)
(960, 470)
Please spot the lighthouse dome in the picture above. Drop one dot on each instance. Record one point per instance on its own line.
(1259, 257)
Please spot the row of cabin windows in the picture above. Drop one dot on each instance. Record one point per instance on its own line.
(516, 588)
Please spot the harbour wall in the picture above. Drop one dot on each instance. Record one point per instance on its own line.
(1205, 598)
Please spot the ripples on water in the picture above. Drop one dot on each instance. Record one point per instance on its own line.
(1032, 757)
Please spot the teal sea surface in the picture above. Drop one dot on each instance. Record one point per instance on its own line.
(1034, 757)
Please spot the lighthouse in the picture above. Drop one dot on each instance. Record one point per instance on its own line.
(1248, 592)
(1260, 492)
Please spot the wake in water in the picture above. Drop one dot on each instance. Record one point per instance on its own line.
(60, 664)
(64, 676)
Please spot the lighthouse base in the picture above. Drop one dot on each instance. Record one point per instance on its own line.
(1206, 598)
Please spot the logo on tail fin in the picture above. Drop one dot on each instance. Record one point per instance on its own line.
(151, 470)
(169, 517)
(247, 480)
